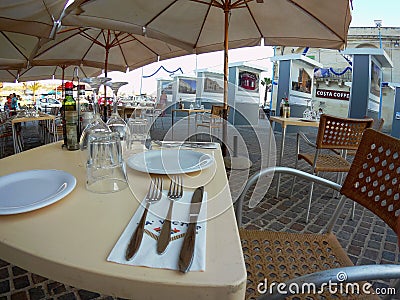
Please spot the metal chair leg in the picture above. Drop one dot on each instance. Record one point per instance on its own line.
(294, 178)
(309, 202)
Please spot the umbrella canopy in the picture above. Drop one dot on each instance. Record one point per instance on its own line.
(200, 25)
(103, 49)
(65, 72)
(39, 18)
(16, 49)
(210, 25)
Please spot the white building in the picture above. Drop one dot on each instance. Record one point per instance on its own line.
(332, 82)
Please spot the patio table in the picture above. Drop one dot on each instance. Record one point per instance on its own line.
(70, 240)
(284, 122)
(187, 111)
(22, 119)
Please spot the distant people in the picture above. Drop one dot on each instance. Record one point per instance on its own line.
(14, 102)
(9, 100)
(163, 102)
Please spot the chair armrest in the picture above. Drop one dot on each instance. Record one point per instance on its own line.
(336, 276)
(306, 139)
(272, 170)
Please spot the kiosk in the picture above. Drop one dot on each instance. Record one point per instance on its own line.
(366, 90)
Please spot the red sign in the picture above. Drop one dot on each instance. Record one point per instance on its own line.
(332, 94)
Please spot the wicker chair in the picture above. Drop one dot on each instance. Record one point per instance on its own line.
(333, 133)
(213, 120)
(298, 258)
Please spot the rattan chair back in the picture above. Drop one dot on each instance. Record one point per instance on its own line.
(374, 176)
(218, 111)
(341, 133)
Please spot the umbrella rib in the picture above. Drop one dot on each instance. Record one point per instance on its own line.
(147, 47)
(204, 21)
(160, 13)
(317, 19)
(120, 48)
(211, 3)
(13, 45)
(254, 20)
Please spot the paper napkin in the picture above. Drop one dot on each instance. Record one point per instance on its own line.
(147, 254)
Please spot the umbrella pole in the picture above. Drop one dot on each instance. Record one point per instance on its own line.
(226, 70)
(105, 110)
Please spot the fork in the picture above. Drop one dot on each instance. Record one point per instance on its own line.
(175, 193)
(153, 196)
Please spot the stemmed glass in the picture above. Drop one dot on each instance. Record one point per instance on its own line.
(96, 124)
(115, 122)
(307, 114)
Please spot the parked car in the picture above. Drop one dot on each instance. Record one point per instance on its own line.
(46, 104)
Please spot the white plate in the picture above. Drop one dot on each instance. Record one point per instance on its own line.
(30, 190)
(177, 161)
(308, 120)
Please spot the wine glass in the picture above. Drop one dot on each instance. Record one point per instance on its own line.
(115, 122)
(307, 114)
(96, 124)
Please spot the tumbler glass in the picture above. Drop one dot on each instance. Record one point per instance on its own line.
(105, 167)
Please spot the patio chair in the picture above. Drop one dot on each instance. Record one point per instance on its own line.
(213, 120)
(154, 114)
(298, 258)
(377, 125)
(334, 133)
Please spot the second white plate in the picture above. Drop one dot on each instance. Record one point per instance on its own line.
(29, 190)
(177, 161)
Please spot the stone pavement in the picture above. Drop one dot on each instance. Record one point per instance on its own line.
(366, 238)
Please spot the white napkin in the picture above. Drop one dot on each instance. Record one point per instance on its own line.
(147, 254)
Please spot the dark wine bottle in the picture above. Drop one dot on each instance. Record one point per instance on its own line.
(70, 119)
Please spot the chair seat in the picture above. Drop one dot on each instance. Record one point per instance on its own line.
(279, 257)
(326, 162)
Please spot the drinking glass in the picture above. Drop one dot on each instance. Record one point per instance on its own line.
(139, 135)
(115, 122)
(307, 114)
(105, 167)
(96, 124)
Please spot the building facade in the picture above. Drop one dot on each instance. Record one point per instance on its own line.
(332, 82)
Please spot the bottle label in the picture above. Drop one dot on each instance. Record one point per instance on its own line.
(72, 137)
(71, 117)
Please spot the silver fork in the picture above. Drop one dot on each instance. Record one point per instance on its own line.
(153, 195)
(175, 192)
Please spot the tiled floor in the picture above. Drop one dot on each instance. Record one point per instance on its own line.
(366, 238)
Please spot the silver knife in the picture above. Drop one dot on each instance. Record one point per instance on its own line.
(189, 242)
(201, 145)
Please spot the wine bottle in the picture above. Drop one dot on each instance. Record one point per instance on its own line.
(70, 119)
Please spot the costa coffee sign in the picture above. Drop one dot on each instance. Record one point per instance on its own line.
(332, 94)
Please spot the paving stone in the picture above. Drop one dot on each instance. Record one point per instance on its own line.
(19, 296)
(4, 286)
(4, 273)
(367, 239)
(21, 282)
(69, 296)
(37, 293)
(18, 271)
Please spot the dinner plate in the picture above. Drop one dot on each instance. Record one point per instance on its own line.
(177, 161)
(308, 120)
(30, 190)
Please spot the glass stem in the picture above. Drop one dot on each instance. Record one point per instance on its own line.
(115, 106)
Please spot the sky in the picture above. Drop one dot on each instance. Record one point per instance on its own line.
(363, 15)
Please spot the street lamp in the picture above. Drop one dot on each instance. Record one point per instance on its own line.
(378, 23)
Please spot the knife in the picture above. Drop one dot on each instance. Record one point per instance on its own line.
(187, 250)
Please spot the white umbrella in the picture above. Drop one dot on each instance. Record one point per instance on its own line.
(103, 49)
(39, 18)
(210, 25)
